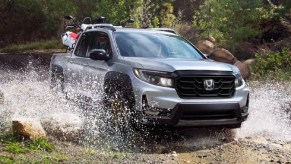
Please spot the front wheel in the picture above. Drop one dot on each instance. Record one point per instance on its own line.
(118, 108)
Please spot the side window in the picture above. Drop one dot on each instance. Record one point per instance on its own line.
(82, 46)
(101, 40)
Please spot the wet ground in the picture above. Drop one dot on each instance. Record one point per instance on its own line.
(264, 138)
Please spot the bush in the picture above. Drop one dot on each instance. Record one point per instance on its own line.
(39, 45)
(275, 66)
(234, 21)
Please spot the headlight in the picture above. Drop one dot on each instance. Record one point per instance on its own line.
(238, 80)
(155, 78)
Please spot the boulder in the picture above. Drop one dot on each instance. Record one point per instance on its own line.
(64, 126)
(243, 68)
(250, 61)
(222, 55)
(28, 128)
(205, 46)
(212, 39)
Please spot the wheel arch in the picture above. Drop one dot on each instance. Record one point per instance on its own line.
(56, 69)
(117, 81)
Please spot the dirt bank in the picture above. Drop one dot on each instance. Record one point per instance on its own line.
(22, 59)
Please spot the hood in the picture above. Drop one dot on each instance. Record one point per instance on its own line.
(171, 65)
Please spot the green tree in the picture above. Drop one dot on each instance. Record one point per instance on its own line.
(116, 12)
(233, 21)
(154, 13)
(20, 20)
(167, 16)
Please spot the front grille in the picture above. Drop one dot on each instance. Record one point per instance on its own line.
(192, 86)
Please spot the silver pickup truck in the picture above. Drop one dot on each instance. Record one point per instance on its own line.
(157, 75)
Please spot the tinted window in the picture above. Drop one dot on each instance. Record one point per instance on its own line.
(142, 44)
(100, 40)
(82, 46)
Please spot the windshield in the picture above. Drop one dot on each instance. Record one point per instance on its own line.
(147, 44)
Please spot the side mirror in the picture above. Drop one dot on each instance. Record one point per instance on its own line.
(98, 54)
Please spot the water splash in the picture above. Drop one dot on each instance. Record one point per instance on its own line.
(268, 111)
(27, 94)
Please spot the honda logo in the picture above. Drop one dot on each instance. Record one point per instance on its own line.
(209, 84)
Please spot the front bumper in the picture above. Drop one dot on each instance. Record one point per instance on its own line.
(193, 115)
(189, 112)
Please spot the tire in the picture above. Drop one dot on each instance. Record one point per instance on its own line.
(118, 110)
(118, 103)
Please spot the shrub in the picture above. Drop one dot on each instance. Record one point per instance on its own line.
(275, 66)
(233, 21)
(38, 45)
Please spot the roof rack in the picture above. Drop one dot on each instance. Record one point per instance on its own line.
(94, 26)
(113, 28)
(164, 29)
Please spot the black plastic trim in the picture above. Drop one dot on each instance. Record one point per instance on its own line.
(175, 119)
(202, 73)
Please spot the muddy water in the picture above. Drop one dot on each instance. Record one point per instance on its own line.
(27, 94)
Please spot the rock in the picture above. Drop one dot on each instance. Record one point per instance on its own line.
(250, 61)
(185, 161)
(243, 68)
(212, 39)
(28, 128)
(205, 46)
(222, 55)
(160, 149)
(174, 154)
(115, 149)
(64, 126)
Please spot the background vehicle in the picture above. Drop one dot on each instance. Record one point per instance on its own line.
(153, 77)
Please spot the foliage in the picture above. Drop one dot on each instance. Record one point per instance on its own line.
(41, 144)
(234, 21)
(17, 17)
(17, 145)
(6, 159)
(273, 65)
(146, 13)
(16, 148)
(31, 20)
(166, 15)
(116, 12)
(58, 158)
